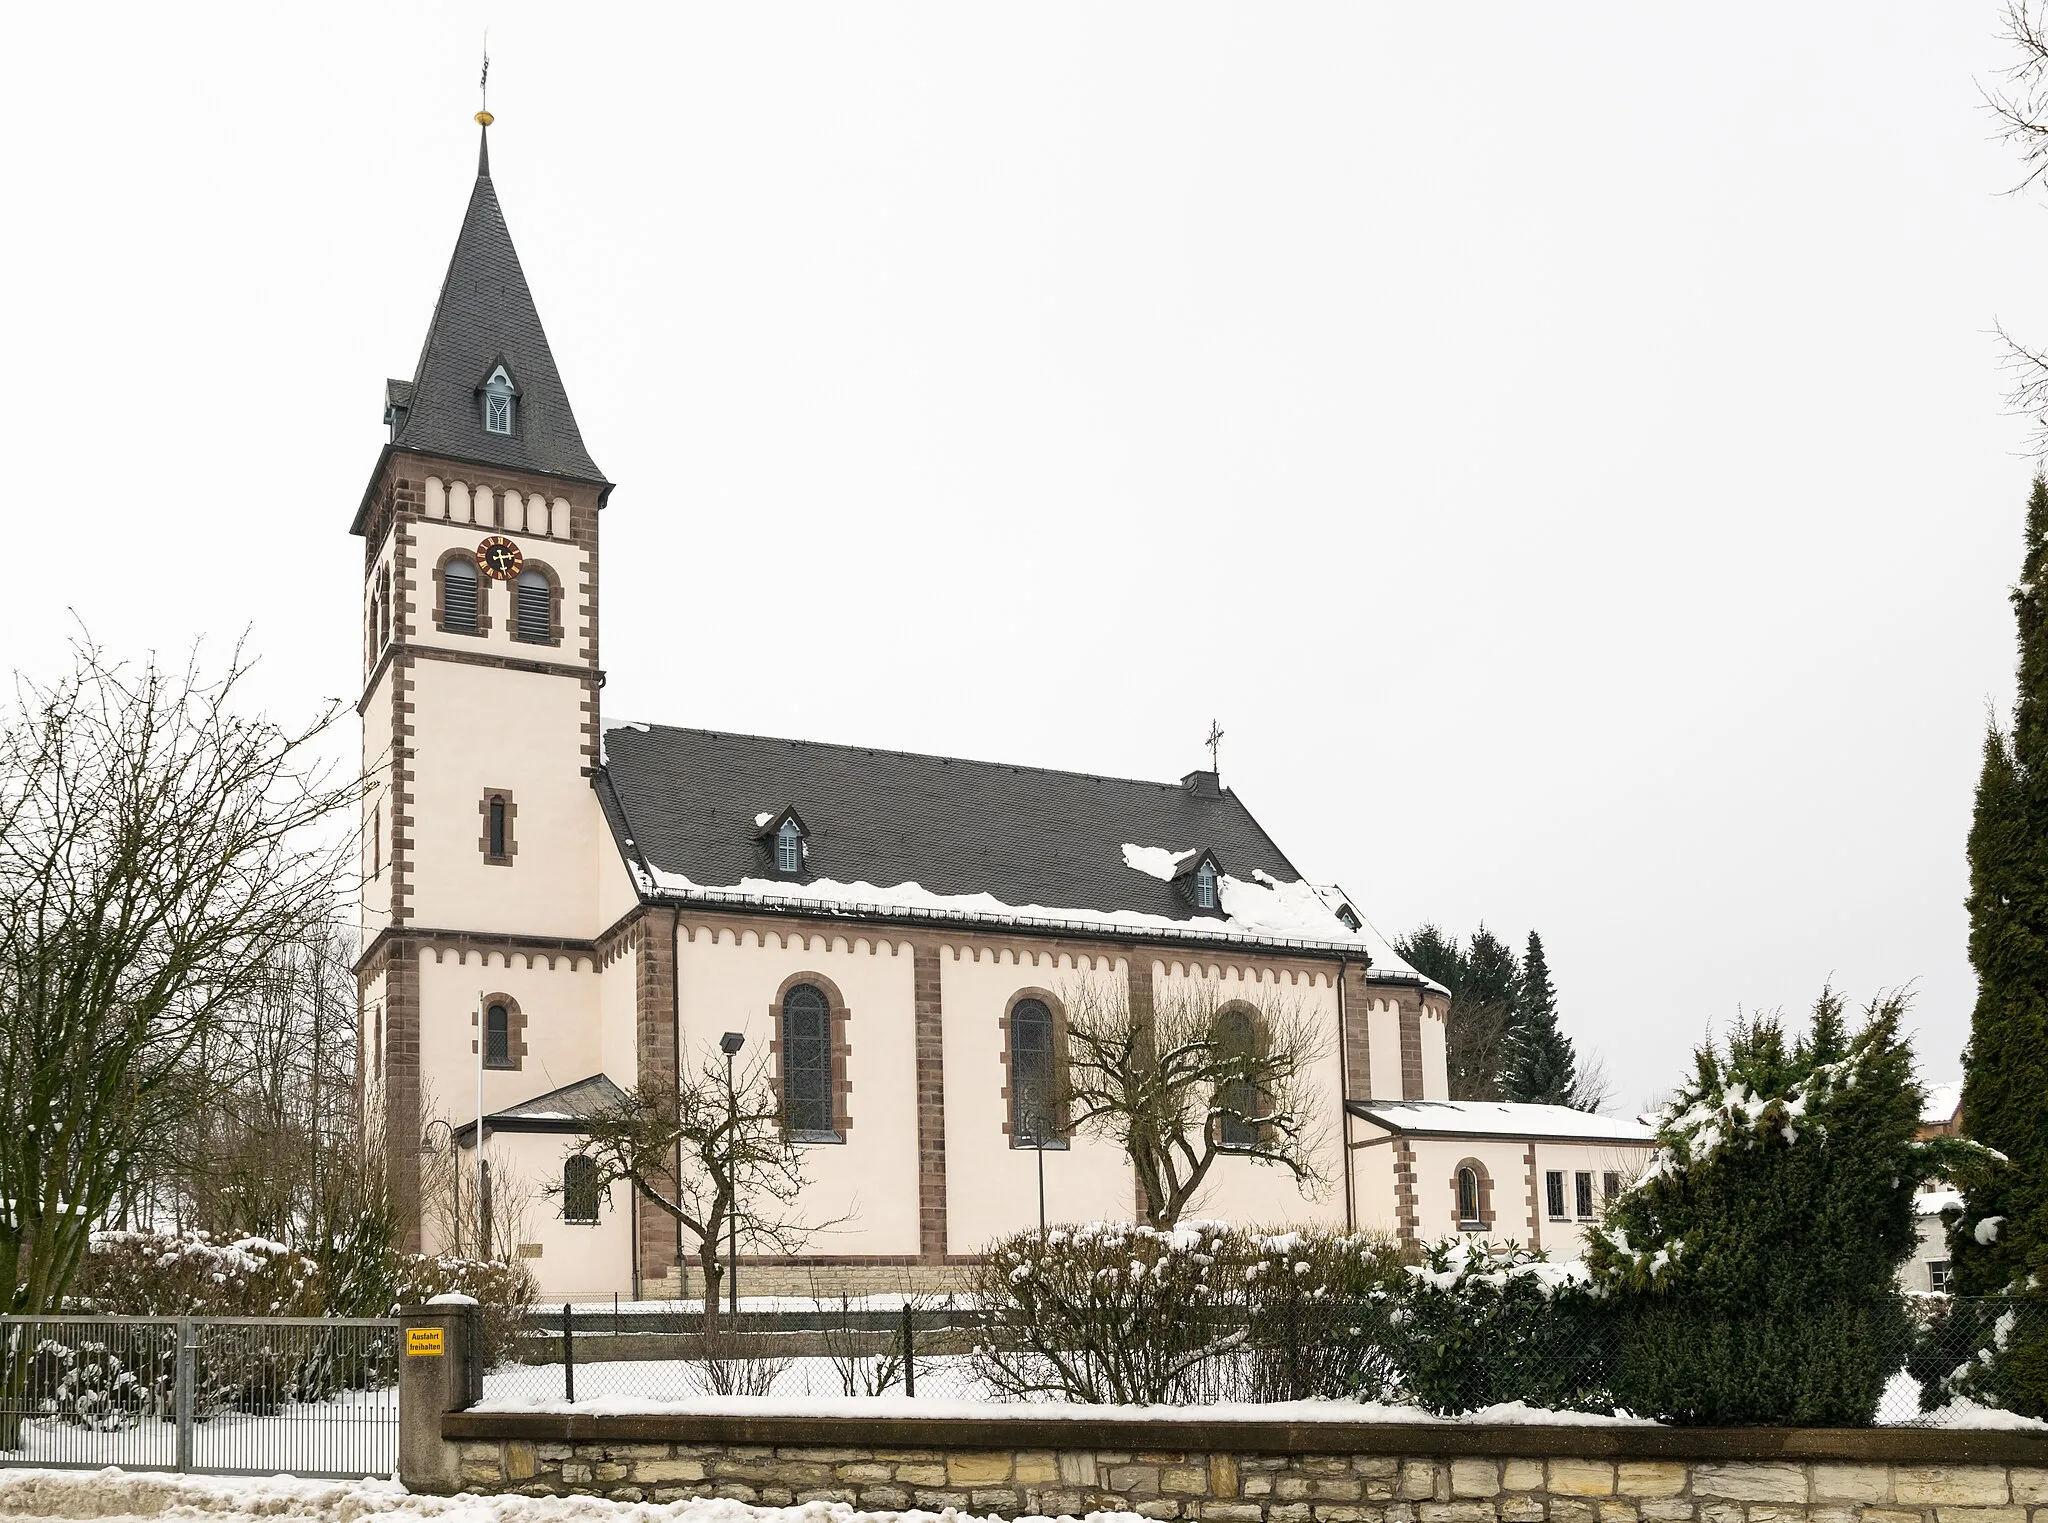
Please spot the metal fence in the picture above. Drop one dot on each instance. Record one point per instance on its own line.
(1572, 1360)
(223, 1395)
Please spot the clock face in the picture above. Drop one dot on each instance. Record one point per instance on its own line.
(500, 558)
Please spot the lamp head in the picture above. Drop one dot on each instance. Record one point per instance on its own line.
(732, 1042)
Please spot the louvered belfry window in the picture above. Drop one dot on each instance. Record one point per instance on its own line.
(807, 1064)
(534, 611)
(458, 596)
(1032, 1122)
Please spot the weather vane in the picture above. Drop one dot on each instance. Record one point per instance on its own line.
(1214, 743)
(483, 83)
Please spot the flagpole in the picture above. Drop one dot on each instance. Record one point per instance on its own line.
(483, 1035)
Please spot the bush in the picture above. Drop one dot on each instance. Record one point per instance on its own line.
(1483, 1323)
(1319, 1307)
(504, 1291)
(1753, 1266)
(156, 1274)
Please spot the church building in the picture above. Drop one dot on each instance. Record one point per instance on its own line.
(558, 906)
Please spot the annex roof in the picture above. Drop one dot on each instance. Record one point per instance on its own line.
(899, 835)
(1499, 1118)
(559, 1110)
(486, 316)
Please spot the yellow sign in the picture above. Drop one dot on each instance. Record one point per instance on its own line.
(422, 1340)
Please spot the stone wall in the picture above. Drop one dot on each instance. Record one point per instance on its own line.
(1272, 1472)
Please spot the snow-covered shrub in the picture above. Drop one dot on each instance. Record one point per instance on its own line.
(158, 1274)
(1982, 1350)
(1753, 1265)
(1318, 1313)
(504, 1291)
(1483, 1323)
(1109, 1312)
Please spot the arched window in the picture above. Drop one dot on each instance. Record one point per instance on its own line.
(383, 608)
(497, 1037)
(1237, 1043)
(806, 1052)
(1468, 1197)
(497, 826)
(789, 848)
(579, 1191)
(458, 596)
(498, 395)
(1034, 1121)
(533, 608)
(1205, 886)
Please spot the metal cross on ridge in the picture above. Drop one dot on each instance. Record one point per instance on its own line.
(1214, 743)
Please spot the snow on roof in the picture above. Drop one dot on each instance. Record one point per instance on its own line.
(1500, 1118)
(1934, 1202)
(1939, 1108)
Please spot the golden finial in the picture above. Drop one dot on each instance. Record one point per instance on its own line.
(484, 118)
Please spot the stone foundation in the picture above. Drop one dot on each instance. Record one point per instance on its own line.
(1272, 1472)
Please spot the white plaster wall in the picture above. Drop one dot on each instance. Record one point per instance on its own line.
(432, 538)
(1372, 1181)
(1240, 1190)
(477, 728)
(992, 1187)
(616, 893)
(577, 1262)
(1384, 1033)
(1566, 1239)
(1436, 1195)
(560, 1006)
(1436, 1083)
(618, 1020)
(727, 981)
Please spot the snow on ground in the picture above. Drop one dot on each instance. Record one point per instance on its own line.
(123, 1495)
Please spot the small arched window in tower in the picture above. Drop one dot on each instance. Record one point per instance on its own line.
(1468, 1199)
(1237, 1046)
(458, 596)
(497, 1037)
(383, 608)
(1205, 886)
(789, 848)
(499, 399)
(579, 1191)
(533, 608)
(1033, 1122)
(807, 1064)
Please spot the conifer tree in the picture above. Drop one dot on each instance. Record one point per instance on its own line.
(1542, 1068)
(1999, 1242)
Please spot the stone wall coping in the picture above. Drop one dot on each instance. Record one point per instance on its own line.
(1904, 1446)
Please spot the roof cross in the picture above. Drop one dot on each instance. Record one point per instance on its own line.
(1214, 743)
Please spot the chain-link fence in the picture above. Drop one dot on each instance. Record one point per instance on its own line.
(1577, 1358)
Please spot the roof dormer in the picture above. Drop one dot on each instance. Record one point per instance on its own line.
(786, 839)
(498, 395)
(1200, 881)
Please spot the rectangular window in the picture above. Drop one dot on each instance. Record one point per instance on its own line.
(1610, 1185)
(1938, 1276)
(1553, 1187)
(1583, 1187)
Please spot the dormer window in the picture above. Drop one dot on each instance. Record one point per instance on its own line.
(783, 837)
(1205, 885)
(499, 395)
(1349, 917)
(1199, 882)
(789, 848)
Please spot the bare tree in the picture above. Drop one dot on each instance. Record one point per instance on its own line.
(1191, 1080)
(159, 853)
(1591, 1088)
(2020, 107)
(740, 1171)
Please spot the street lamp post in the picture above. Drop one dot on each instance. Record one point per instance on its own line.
(730, 1044)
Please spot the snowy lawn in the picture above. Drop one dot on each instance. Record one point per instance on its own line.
(116, 1494)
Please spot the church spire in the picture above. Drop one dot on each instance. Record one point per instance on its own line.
(486, 390)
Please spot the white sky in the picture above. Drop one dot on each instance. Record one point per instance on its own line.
(1562, 444)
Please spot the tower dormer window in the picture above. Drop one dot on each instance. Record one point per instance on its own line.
(789, 848)
(1205, 886)
(500, 397)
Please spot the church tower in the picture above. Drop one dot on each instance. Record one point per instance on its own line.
(481, 832)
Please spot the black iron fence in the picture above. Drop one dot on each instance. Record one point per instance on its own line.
(226, 1395)
(1575, 1357)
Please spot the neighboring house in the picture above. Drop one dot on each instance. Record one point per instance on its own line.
(558, 906)
(1941, 1115)
(1536, 1174)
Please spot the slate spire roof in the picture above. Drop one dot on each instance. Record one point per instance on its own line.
(486, 317)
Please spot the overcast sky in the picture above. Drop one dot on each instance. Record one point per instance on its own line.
(1561, 444)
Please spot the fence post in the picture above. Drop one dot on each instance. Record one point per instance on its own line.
(1294, 1390)
(568, 1352)
(909, 1351)
(185, 1387)
(440, 1370)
